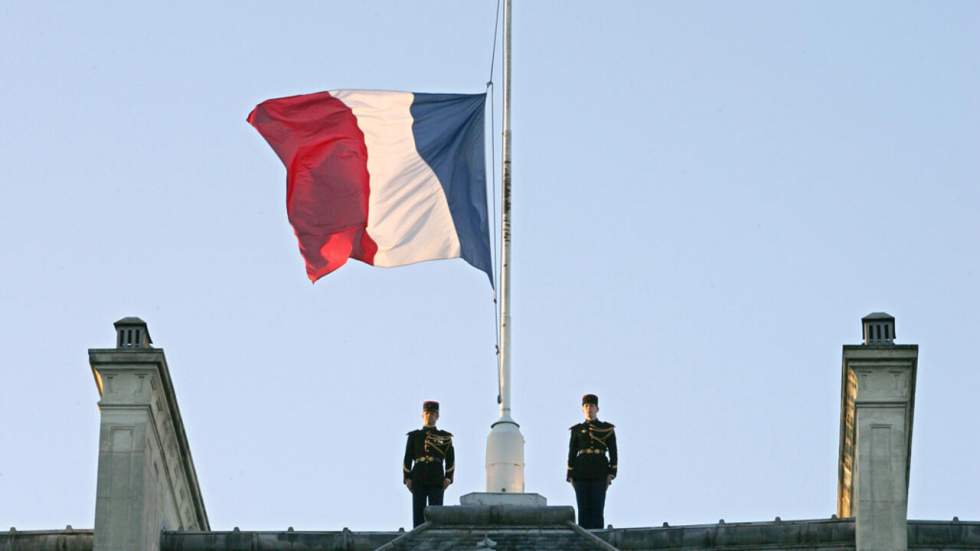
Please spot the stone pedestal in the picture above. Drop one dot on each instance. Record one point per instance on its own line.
(482, 515)
(502, 498)
(146, 478)
(877, 401)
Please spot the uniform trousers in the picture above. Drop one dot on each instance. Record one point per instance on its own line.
(591, 497)
(422, 493)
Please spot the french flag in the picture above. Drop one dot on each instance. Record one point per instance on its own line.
(387, 178)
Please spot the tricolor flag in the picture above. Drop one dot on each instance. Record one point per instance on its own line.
(388, 178)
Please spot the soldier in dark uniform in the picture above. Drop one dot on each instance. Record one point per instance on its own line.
(423, 471)
(589, 469)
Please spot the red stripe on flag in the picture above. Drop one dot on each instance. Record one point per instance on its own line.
(327, 184)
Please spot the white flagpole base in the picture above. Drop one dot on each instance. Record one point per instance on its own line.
(505, 457)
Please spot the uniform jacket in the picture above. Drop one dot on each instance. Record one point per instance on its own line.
(426, 452)
(588, 446)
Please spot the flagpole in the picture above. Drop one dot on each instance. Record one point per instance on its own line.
(505, 444)
(504, 360)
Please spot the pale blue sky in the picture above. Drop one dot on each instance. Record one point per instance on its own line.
(708, 197)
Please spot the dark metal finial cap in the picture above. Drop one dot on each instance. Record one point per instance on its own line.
(131, 332)
(878, 329)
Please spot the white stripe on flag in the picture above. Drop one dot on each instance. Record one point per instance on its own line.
(408, 215)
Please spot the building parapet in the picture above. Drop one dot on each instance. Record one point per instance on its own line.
(46, 540)
(344, 540)
(796, 535)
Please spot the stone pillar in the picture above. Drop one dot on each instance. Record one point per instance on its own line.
(877, 401)
(146, 479)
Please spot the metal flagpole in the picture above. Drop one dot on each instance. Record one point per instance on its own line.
(504, 359)
(505, 445)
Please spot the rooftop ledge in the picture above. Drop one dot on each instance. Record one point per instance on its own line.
(774, 534)
(800, 534)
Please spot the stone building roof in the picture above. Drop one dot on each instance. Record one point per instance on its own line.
(546, 529)
(552, 529)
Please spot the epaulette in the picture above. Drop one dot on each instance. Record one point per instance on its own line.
(575, 426)
(446, 433)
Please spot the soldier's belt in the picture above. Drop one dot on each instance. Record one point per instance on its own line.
(427, 459)
(589, 451)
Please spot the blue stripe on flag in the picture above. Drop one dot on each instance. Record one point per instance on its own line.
(448, 131)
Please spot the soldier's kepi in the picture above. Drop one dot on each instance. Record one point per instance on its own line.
(589, 469)
(430, 462)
